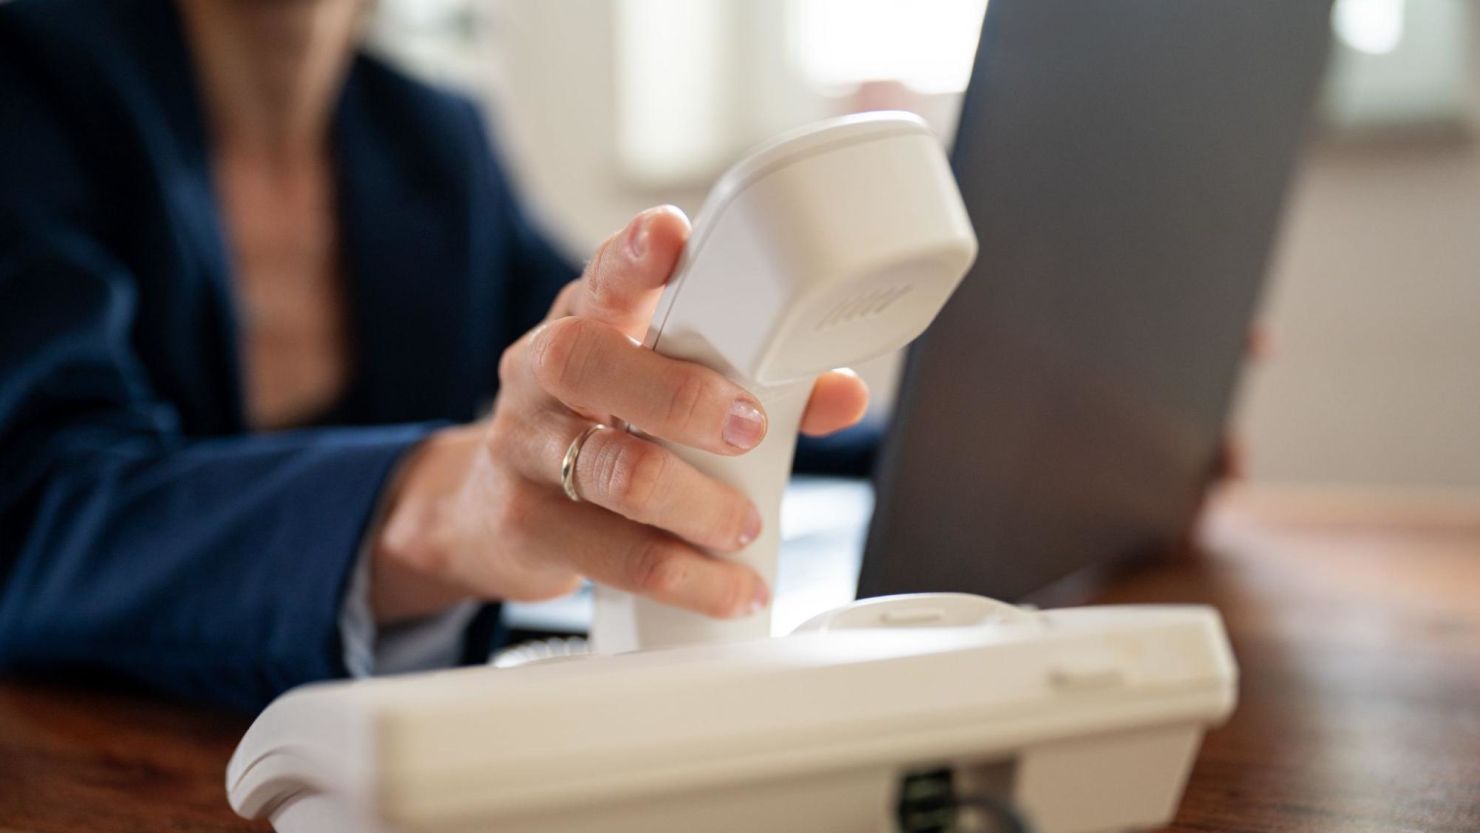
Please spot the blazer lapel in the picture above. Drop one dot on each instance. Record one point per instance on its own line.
(406, 267)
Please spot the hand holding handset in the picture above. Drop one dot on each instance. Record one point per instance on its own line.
(826, 247)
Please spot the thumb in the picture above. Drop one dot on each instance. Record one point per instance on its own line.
(622, 283)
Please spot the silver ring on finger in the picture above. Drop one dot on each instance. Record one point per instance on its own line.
(572, 456)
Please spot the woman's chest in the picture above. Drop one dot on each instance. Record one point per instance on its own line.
(290, 294)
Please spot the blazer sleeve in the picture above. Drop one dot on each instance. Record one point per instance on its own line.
(206, 568)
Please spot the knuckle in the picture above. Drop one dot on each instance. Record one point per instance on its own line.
(513, 514)
(499, 442)
(635, 471)
(658, 569)
(430, 556)
(735, 512)
(565, 303)
(559, 353)
(687, 396)
(508, 363)
(597, 280)
(737, 593)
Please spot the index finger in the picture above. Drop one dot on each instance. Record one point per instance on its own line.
(624, 279)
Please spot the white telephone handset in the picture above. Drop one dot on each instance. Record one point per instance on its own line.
(825, 248)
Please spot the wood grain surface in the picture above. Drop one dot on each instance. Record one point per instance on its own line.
(1356, 621)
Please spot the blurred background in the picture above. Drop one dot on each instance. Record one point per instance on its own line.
(603, 107)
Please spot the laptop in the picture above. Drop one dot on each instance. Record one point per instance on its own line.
(1125, 164)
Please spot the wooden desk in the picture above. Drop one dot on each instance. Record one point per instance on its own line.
(1356, 623)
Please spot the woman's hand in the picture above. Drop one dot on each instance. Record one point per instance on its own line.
(478, 510)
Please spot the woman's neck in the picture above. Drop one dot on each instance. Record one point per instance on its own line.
(270, 71)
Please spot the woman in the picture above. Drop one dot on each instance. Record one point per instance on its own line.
(219, 222)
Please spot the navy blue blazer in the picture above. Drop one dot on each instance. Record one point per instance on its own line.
(145, 531)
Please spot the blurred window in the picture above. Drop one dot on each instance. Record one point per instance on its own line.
(695, 82)
(927, 46)
(699, 81)
(1371, 26)
(1400, 66)
(436, 39)
(676, 88)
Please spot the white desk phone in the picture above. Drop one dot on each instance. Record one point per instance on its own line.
(827, 247)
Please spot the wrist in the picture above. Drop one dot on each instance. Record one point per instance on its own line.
(415, 548)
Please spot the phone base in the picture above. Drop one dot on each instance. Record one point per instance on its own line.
(1078, 720)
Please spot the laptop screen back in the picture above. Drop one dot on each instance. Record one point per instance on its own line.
(1124, 163)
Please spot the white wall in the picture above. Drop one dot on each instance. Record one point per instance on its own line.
(1375, 313)
(557, 116)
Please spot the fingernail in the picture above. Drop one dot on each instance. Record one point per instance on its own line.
(637, 237)
(759, 601)
(745, 425)
(752, 528)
